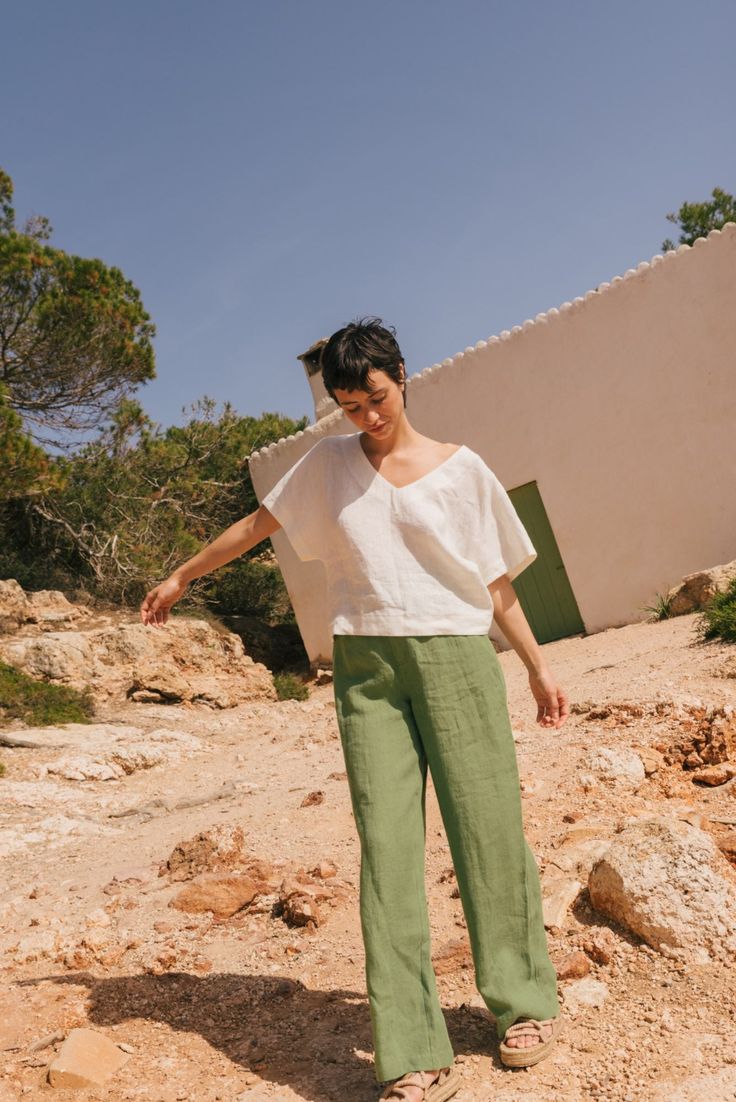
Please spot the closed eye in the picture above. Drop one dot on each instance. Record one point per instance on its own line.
(374, 402)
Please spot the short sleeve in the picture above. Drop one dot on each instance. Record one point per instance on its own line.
(505, 544)
(295, 502)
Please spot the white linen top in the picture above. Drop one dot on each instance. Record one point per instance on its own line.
(412, 560)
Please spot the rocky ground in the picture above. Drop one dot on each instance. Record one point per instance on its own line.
(183, 881)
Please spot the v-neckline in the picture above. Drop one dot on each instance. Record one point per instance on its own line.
(368, 467)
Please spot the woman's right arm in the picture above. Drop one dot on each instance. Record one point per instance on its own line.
(234, 541)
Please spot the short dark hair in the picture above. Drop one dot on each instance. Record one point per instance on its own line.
(363, 345)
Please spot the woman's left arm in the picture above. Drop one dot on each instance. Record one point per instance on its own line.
(553, 706)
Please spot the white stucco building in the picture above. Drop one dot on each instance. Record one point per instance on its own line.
(610, 420)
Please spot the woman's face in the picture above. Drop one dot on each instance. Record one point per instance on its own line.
(377, 411)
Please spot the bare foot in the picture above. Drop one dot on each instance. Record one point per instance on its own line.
(527, 1040)
(409, 1093)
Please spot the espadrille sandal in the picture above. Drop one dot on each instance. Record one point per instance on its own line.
(524, 1057)
(447, 1083)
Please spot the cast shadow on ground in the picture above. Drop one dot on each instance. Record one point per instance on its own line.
(288, 1034)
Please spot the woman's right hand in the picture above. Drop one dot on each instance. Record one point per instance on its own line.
(158, 601)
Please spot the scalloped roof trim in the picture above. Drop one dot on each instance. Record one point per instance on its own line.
(508, 334)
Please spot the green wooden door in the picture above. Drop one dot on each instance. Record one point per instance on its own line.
(543, 589)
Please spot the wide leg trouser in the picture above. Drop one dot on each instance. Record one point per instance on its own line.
(405, 703)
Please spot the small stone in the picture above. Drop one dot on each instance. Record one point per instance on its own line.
(652, 760)
(584, 993)
(714, 775)
(324, 870)
(453, 956)
(573, 966)
(222, 894)
(559, 892)
(316, 797)
(601, 946)
(300, 910)
(86, 1059)
(727, 844)
(219, 849)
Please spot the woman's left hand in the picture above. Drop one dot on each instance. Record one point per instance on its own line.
(553, 706)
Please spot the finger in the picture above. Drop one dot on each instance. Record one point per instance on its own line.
(155, 610)
(552, 708)
(564, 708)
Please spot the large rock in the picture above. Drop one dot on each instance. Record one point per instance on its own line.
(43, 607)
(617, 767)
(715, 1086)
(49, 606)
(40, 813)
(109, 751)
(696, 590)
(715, 741)
(708, 737)
(668, 883)
(13, 606)
(187, 660)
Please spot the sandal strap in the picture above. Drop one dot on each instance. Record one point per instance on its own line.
(529, 1027)
(407, 1081)
(397, 1089)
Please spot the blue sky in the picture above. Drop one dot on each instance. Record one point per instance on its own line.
(264, 172)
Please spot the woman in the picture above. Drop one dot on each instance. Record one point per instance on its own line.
(420, 542)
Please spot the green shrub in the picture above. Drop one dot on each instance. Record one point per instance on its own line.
(661, 609)
(289, 687)
(250, 587)
(129, 506)
(39, 704)
(718, 618)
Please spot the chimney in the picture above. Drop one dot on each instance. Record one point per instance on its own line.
(323, 404)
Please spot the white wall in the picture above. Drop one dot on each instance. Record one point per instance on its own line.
(621, 406)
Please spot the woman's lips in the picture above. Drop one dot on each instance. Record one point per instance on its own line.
(377, 428)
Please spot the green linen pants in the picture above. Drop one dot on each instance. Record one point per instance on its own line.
(404, 703)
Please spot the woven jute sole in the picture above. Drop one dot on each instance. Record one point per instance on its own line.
(514, 1057)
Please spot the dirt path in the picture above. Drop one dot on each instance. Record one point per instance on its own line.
(249, 1007)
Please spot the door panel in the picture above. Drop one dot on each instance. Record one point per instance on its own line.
(543, 589)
